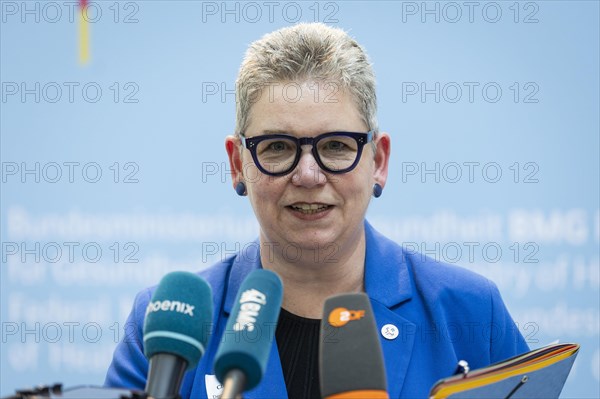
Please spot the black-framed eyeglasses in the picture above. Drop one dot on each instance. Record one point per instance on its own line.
(279, 154)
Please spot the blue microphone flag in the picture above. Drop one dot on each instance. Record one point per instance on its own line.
(179, 317)
(250, 330)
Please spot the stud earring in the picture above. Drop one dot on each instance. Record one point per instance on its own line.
(377, 190)
(240, 189)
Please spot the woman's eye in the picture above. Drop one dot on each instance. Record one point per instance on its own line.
(277, 146)
(335, 145)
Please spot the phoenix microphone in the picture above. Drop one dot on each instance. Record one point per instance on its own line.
(350, 358)
(242, 357)
(176, 331)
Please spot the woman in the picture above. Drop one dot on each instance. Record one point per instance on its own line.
(309, 156)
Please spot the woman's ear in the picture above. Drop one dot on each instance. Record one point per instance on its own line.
(232, 146)
(382, 158)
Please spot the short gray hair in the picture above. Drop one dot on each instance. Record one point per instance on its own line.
(303, 52)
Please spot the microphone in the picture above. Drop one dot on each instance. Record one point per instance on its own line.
(242, 357)
(350, 358)
(176, 331)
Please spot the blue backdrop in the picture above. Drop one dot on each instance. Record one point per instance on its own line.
(115, 173)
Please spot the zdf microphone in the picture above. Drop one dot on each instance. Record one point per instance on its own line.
(242, 357)
(350, 358)
(176, 331)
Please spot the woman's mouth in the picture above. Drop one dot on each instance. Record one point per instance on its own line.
(309, 209)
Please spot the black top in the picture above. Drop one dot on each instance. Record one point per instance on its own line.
(298, 343)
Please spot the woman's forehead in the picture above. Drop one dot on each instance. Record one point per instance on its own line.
(317, 91)
(278, 112)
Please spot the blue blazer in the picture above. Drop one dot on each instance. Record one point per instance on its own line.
(444, 314)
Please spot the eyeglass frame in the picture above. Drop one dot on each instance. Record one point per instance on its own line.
(251, 144)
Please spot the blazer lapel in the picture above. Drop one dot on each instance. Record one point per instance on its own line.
(397, 352)
(388, 284)
(246, 262)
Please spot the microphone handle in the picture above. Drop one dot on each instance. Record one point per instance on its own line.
(165, 376)
(235, 381)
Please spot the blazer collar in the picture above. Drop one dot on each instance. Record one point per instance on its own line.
(387, 278)
(246, 261)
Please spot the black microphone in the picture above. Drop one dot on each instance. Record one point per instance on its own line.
(176, 331)
(242, 357)
(350, 358)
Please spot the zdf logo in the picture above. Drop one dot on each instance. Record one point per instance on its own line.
(340, 316)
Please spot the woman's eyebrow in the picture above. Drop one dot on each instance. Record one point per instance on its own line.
(276, 131)
(291, 132)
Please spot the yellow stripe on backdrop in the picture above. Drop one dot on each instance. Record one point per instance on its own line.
(84, 36)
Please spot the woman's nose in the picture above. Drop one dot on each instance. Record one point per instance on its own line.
(308, 173)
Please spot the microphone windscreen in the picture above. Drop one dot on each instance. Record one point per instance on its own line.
(178, 317)
(250, 330)
(350, 358)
